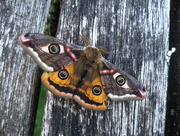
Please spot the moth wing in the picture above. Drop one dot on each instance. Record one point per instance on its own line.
(62, 83)
(50, 54)
(119, 85)
(91, 94)
(88, 93)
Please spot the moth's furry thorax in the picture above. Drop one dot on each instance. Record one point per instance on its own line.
(89, 64)
(93, 57)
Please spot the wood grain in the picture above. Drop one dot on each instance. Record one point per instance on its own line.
(19, 75)
(136, 34)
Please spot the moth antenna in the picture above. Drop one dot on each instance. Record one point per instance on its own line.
(86, 40)
(103, 50)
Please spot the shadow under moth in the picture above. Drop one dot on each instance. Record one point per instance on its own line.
(80, 73)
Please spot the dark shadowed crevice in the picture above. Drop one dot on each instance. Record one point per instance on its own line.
(173, 96)
(53, 17)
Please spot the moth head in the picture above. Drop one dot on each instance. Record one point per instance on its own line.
(92, 53)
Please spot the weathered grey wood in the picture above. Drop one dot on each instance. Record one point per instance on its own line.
(136, 34)
(19, 77)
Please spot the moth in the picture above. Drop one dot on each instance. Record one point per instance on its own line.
(80, 73)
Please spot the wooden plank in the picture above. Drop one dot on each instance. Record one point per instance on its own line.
(19, 77)
(136, 34)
